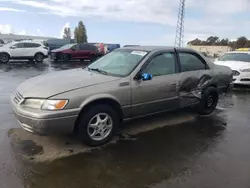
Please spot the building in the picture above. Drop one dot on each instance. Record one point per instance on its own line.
(11, 37)
(213, 51)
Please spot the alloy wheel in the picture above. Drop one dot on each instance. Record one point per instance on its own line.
(100, 126)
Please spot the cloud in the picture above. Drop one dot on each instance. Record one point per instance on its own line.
(6, 29)
(204, 18)
(220, 7)
(40, 32)
(11, 9)
(157, 11)
(23, 32)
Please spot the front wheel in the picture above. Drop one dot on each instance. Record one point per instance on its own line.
(4, 57)
(39, 57)
(209, 101)
(98, 125)
(66, 57)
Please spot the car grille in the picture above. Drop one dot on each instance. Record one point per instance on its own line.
(17, 97)
(235, 73)
(245, 80)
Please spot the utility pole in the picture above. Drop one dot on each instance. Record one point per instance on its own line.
(180, 25)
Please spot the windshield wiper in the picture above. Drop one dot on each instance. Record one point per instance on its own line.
(98, 70)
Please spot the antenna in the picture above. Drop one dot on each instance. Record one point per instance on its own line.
(180, 25)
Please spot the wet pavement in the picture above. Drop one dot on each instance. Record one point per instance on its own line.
(208, 152)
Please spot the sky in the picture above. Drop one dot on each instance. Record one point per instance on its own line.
(144, 22)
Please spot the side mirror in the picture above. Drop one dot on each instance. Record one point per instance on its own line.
(146, 76)
(13, 47)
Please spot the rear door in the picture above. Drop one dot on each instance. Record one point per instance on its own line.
(30, 49)
(160, 93)
(87, 51)
(195, 75)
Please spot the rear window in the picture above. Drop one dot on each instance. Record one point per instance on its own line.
(31, 45)
(87, 47)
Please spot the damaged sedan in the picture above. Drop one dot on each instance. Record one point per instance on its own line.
(125, 84)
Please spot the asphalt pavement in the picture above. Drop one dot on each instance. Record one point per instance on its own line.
(207, 152)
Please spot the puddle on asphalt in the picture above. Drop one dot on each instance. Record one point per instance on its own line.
(154, 156)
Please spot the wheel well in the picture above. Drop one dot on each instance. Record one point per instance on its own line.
(38, 53)
(213, 85)
(5, 53)
(110, 102)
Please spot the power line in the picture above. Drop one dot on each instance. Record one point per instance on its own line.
(180, 25)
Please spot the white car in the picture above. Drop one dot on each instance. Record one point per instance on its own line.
(23, 50)
(239, 62)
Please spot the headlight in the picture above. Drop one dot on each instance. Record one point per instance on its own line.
(45, 104)
(54, 104)
(33, 103)
(245, 70)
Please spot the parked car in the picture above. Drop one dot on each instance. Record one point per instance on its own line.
(76, 51)
(112, 47)
(239, 62)
(23, 50)
(124, 84)
(58, 43)
(100, 47)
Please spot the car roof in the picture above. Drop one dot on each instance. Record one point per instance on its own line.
(156, 48)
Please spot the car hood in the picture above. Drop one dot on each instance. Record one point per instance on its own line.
(57, 50)
(52, 84)
(234, 65)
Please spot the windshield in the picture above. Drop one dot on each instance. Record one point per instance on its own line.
(67, 46)
(119, 62)
(7, 44)
(235, 57)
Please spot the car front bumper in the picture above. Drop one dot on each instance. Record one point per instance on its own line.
(44, 122)
(60, 125)
(242, 79)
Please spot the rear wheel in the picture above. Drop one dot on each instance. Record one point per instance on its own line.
(4, 57)
(39, 57)
(97, 125)
(209, 101)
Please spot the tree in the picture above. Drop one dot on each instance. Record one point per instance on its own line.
(81, 33)
(195, 42)
(75, 34)
(241, 42)
(212, 40)
(67, 33)
(224, 42)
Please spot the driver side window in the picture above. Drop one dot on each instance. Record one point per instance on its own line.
(162, 64)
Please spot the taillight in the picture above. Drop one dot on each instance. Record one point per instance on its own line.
(46, 48)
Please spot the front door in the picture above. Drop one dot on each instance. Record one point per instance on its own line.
(160, 93)
(17, 50)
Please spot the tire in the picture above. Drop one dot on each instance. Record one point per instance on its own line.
(101, 132)
(66, 57)
(4, 57)
(39, 57)
(209, 101)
